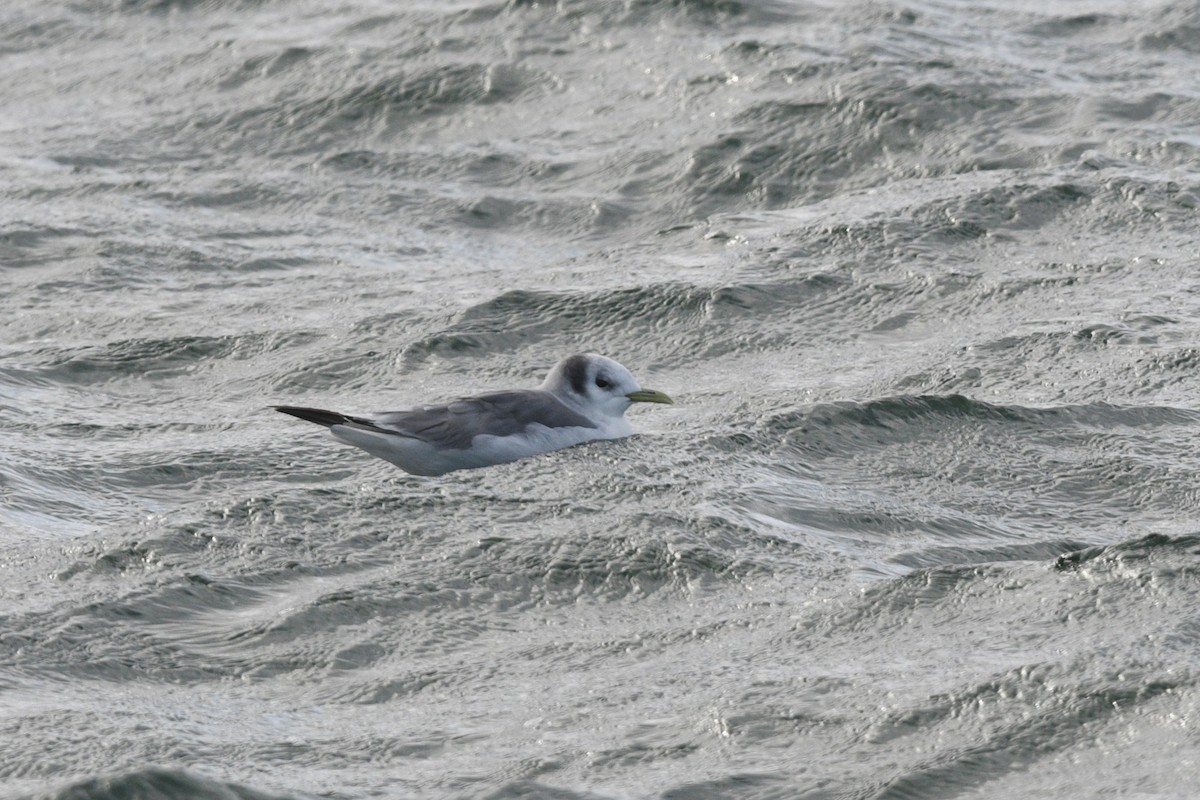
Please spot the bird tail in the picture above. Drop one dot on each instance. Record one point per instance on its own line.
(321, 416)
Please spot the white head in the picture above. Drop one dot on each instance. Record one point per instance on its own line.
(596, 383)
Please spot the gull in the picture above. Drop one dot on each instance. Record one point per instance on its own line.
(584, 398)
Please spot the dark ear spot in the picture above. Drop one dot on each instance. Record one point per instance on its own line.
(576, 368)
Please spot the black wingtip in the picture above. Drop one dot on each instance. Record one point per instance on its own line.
(317, 415)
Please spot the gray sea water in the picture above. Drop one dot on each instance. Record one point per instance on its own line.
(924, 280)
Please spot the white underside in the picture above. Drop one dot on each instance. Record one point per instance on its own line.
(421, 458)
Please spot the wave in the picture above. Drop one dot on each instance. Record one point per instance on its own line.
(672, 320)
(152, 358)
(925, 411)
(1155, 555)
(160, 783)
(371, 109)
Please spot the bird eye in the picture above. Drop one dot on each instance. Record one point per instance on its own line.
(602, 383)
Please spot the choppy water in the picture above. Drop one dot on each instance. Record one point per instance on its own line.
(921, 275)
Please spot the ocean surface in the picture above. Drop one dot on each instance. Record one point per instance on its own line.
(923, 278)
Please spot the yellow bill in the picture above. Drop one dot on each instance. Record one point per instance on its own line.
(650, 396)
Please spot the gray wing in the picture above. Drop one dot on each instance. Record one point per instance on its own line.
(453, 426)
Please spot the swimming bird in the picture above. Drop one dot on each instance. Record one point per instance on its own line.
(584, 398)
